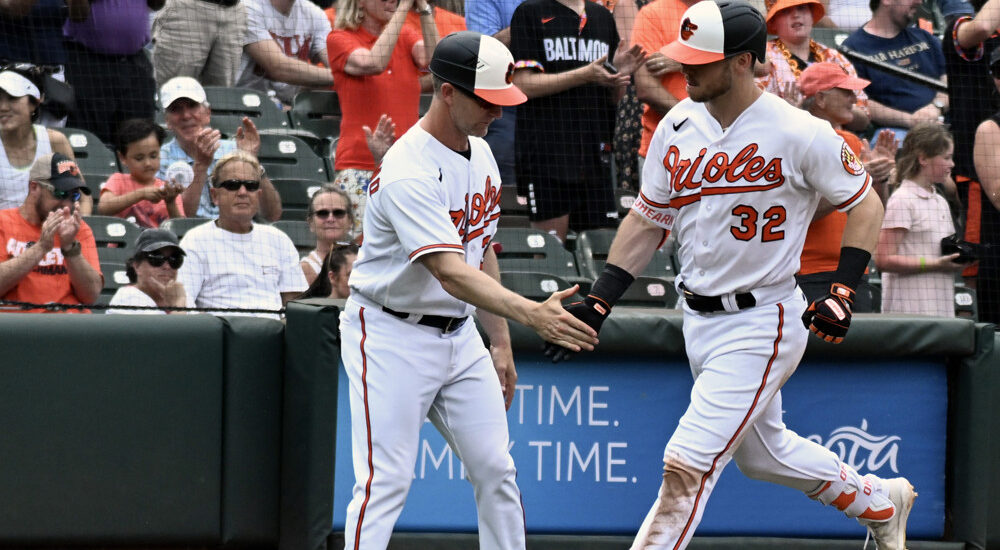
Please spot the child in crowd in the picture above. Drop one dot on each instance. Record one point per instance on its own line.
(331, 281)
(139, 195)
(917, 278)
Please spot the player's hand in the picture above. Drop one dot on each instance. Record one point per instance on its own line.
(554, 324)
(586, 312)
(627, 59)
(503, 362)
(247, 137)
(205, 146)
(658, 64)
(382, 138)
(597, 74)
(830, 316)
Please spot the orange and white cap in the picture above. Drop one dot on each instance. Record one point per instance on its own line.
(479, 64)
(712, 31)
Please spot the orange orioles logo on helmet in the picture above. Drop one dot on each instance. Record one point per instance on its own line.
(851, 161)
(687, 29)
(68, 166)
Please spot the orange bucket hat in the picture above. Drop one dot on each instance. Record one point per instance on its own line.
(775, 6)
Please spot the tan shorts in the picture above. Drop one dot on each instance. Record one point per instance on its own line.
(198, 39)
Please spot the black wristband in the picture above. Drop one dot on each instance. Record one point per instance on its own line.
(610, 286)
(851, 267)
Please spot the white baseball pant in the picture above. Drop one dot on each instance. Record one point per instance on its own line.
(401, 373)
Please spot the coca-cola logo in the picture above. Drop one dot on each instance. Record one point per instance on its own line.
(860, 449)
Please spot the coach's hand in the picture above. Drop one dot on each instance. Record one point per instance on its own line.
(589, 311)
(560, 328)
(830, 316)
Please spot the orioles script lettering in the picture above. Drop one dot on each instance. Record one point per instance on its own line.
(747, 166)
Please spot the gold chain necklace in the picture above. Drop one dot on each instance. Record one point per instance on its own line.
(814, 49)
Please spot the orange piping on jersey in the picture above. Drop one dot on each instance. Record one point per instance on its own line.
(368, 426)
(845, 204)
(423, 248)
(646, 200)
(746, 419)
(680, 202)
(740, 189)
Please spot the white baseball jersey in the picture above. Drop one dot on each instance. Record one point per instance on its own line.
(425, 198)
(739, 200)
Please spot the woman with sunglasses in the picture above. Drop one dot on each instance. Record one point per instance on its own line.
(330, 218)
(153, 274)
(376, 62)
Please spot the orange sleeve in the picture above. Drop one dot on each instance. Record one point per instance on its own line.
(646, 33)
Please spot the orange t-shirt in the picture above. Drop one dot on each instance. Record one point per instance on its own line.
(49, 280)
(145, 213)
(657, 25)
(363, 99)
(445, 21)
(821, 251)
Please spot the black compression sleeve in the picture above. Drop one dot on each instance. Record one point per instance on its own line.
(851, 267)
(610, 286)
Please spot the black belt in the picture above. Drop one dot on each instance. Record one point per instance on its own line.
(225, 3)
(445, 324)
(711, 304)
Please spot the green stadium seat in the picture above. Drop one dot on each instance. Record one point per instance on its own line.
(830, 37)
(298, 231)
(650, 292)
(114, 237)
(526, 249)
(92, 156)
(965, 303)
(180, 226)
(534, 285)
(623, 200)
(94, 182)
(592, 248)
(114, 276)
(296, 193)
(318, 113)
(230, 105)
(286, 156)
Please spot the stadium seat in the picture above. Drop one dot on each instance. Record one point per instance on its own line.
(830, 37)
(513, 212)
(180, 226)
(525, 249)
(534, 285)
(114, 237)
(296, 193)
(287, 156)
(298, 231)
(965, 303)
(230, 105)
(94, 182)
(650, 292)
(623, 200)
(317, 112)
(592, 248)
(92, 156)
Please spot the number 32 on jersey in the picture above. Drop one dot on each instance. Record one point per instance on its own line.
(748, 218)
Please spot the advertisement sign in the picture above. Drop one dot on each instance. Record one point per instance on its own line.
(588, 437)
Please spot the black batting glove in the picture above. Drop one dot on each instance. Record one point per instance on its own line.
(830, 316)
(590, 311)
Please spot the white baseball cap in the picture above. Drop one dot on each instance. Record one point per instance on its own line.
(181, 86)
(478, 64)
(17, 85)
(715, 30)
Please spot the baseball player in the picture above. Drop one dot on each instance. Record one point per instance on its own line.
(736, 173)
(408, 346)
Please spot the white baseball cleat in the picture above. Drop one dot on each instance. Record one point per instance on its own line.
(891, 533)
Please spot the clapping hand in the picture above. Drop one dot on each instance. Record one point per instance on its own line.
(627, 60)
(382, 138)
(247, 137)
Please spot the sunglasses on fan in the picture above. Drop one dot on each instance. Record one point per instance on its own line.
(234, 185)
(157, 260)
(325, 213)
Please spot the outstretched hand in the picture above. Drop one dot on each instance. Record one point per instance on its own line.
(247, 137)
(558, 326)
(586, 312)
(382, 138)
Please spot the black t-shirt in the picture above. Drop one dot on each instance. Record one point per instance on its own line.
(563, 133)
(972, 96)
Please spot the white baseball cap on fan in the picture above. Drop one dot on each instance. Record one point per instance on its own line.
(17, 85)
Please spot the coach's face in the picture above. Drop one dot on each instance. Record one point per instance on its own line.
(709, 81)
(186, 117)
(471, 114)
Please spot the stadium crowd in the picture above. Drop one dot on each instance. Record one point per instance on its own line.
(911, 86)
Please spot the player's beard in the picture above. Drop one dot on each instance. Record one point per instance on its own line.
(707, 91)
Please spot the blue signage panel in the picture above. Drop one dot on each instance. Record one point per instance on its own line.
(587, 438)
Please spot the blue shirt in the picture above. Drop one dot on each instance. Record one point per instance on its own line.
(913, 49)
(171, 152)
(489, 16)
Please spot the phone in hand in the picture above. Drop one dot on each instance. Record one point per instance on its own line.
(609, 67)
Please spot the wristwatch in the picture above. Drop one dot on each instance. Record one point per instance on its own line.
(73, 250)
(940, 105)
(428, 10)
